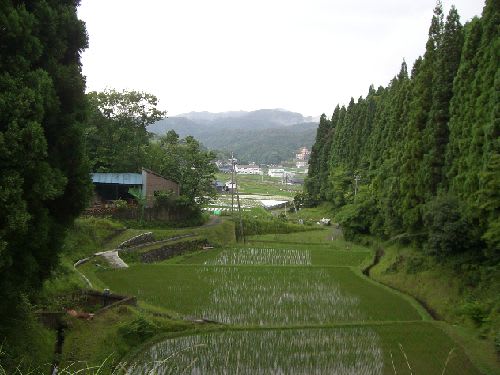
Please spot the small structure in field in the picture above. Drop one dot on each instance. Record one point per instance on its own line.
(115, 186)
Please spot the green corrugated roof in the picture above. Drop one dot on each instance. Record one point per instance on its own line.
(117, 178)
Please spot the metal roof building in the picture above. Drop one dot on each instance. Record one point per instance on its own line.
(117, 178)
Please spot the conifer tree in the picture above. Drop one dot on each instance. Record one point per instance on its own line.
(316, 160)
(44, 178)
(413, 172)
(436, 132)
(426, 143)
(473, 153)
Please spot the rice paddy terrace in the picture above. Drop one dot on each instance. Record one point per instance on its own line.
(287, 304)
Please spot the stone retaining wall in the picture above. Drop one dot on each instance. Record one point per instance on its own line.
(168, 251)
(137, 240)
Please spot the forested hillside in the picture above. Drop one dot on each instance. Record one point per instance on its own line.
(264, 136)
(418, 162)
(425, 148)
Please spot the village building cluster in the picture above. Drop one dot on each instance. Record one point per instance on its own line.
(288, 177)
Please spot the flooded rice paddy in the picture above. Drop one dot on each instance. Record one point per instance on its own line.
(347, 351)
(259, 256)
(276, 296)
(285, 311)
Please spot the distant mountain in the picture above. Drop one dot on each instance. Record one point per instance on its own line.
(210, 116)
(263, 136)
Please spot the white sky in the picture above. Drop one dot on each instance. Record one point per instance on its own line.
(220, 55)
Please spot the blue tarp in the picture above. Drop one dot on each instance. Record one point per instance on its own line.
(117, 178)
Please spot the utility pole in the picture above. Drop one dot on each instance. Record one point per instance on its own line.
(232, 182)
(357, 177)
(239, 212)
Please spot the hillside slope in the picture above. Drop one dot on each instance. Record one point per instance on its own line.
(263, 136)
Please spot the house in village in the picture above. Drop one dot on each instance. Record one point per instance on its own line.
(276, 172)
(113, 186)
(230, 186)
(219, 186)
(302, 157)
(248, 169)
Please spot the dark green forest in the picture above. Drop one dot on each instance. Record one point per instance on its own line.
(418, 161)
(52, 136)
(44, 180)
(425, 148)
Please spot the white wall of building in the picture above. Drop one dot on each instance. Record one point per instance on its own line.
(248, 169)
(276, 172)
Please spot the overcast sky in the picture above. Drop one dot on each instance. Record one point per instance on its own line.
(220, 55)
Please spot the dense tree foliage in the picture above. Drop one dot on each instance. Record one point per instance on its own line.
(186, 162)
(44, 181)
(117, 140)
(116, 135)
(423, 153)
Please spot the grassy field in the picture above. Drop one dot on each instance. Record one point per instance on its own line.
(254, 184)
(439, 286)
(291, 301)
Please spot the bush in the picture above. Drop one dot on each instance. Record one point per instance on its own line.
(448, 232)
(137, 331)
(25, 345)
(476, 311)
(416, 264)
(252, 226)
(120, 204)
(164, 199)
(356, 218)
(302, 200)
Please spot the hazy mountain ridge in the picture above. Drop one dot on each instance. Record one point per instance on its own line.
(263, 136)
(278, 116)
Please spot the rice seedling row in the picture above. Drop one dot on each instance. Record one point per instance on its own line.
(262, 256)
(285, 256)
(402, 349)
(270, 287)
(339, 351)
(265, 295)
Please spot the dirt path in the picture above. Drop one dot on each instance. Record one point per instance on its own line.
(213, 221)
(113, 259)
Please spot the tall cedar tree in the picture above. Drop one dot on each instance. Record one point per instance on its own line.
(424, 144)
(44, 179)
(436, 131)
(413, 173)
(317, 161)
(473, 156)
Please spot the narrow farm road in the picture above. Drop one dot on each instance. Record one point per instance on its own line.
(113, 259)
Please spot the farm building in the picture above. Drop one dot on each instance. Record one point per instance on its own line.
(219, 186)
(230, 186)
(276, 172)
(113, 186)
(248, 169)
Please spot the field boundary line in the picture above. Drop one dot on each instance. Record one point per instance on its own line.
(422, 311)
(301, 266)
